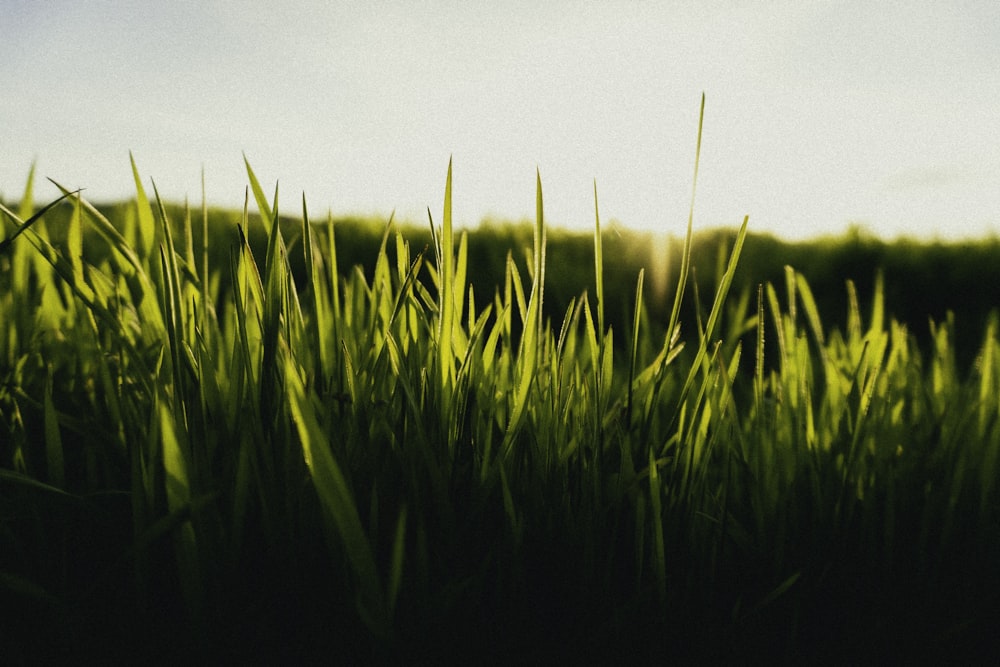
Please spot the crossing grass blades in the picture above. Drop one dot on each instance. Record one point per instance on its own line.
(204, 461)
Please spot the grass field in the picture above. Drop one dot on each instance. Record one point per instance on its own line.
(254, 450)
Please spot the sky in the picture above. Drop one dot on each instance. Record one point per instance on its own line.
(818, 115)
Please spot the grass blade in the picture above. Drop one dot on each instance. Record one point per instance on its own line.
(337, 501)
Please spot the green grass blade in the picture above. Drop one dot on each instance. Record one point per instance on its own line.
(446, 296)
(531, 336)
(686, 256)
(26, 207)
(337, 500)
(321, 321)
(634, 352)
(178, 491)
(266, 214)
(147, 224)
(598, 263)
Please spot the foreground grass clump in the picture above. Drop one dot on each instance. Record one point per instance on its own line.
(384, 469)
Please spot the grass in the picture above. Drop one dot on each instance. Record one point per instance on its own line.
(208, 458)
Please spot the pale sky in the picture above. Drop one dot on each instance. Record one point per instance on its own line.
(818, 114)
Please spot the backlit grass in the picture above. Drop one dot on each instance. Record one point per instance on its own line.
(204, 458)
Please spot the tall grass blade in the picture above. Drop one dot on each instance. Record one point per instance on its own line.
(338, 503)
(634, 352)
(147, 224)
(267, 216)
(531, 336)
(598, 263)
(686, 255)
(446, 297)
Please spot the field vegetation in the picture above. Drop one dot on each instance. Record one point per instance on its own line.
(241, 434)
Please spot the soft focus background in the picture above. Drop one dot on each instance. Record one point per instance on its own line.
(819, 115)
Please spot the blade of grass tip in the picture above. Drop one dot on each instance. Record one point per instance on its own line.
(320, 320)
(334, 277)
(74, 241)
(381, 284)
(167, 249)
(717, 308)
(396, 307)
(877, 325)
(598, 263)
(472, 305)
(189, 240)
(446, 313)
(436, 243)
(540, 234)
(791, 322)
(686, 256)
(779, 328)
(21, 262)
(242, 291)
(24, 226)
(204, 251)
(402, 253)
(458, 289)
(531, 336)
(266, 215)
(597, 341)
(26, 207)
(634, 353)
(173, 313)
(672, 335)
(447, 274)
(147, 224)
(276, 273)
(513, 280)
(812, 312)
